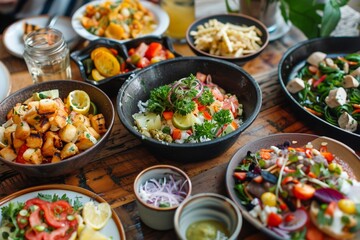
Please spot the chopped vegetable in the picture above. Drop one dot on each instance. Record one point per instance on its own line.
(163, 192)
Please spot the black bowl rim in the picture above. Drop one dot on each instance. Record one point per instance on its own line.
(263, 29)
(102, 139)
(124, 45)
(282, 81)
(242, 127)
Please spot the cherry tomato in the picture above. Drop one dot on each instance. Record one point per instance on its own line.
(274, 219)
(303, 191)
(20, 158)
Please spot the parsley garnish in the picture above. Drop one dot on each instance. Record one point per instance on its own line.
(158, 101)
(206, 98)
(76, 204)
(222, 117)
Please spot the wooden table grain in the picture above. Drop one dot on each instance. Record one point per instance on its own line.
(114, 169)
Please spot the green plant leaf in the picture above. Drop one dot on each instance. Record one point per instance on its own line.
(330, 18)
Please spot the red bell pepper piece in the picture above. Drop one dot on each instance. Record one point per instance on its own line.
(20, 157)
(320, 80)
(168, 115)
(153, 50)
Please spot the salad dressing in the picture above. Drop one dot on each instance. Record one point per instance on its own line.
(207, 230)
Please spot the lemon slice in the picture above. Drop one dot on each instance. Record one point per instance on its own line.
(183, 122)
(54, 93)
(79, 101)
(96, 216)
(91, 234)
(96, 75)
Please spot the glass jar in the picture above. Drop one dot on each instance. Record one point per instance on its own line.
(47, 55)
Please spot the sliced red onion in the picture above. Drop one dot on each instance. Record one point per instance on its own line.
(282, 233)
(164, 190)
(328, 195)
(299, 220)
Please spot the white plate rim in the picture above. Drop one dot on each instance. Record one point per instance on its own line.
(5, 78)
(161, 16)
(9, 43)
(60, 189)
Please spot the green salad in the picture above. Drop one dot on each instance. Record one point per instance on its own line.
(328, 87)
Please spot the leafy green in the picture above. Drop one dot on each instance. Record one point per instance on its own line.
(9, 214)
(76, 204)
(313, 18)
(206, 130)
(222, 117)
(206, 98)
(158, 101)
(240, 192)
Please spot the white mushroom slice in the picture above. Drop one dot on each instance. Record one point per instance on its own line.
(356, 72)
(347, 122)
(350, 82)
(315, 58)
(295, 85)
(336, 97)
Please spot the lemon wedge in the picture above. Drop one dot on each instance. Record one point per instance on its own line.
(96, 216)
(54, 93)
(78, 101)
(183, 122)
(89, 233)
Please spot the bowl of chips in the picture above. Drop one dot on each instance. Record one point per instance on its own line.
(232, 37)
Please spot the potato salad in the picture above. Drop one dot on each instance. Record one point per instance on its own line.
(46, 129)
(189, 110)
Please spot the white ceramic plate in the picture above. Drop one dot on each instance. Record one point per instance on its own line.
(5, 84)
(161, 17)
(13, 35)
(112, 229)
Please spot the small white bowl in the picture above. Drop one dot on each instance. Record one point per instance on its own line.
(159, 218)
(208, 206)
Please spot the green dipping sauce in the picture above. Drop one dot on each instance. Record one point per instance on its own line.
(207, 230)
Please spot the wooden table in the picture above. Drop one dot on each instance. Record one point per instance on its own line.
(114, 169)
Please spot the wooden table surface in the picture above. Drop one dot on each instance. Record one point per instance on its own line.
(114, 169)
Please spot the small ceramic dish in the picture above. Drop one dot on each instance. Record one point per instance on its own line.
(107, 84)
(235, 19)
(112, 84)
(205, 214)
(158, 214)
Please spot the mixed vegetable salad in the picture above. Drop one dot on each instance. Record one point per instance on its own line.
(49, 217)
(192, 109)
(300, 192)
(47, 129)
(328, 87)
(118, 19)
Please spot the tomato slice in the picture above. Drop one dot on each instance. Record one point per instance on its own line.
(20, 158)
(153, 50)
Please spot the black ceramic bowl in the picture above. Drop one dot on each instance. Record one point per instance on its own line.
(104, 106)
(236, 19)
(112, 84)
(295, 58)
(232, 78)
